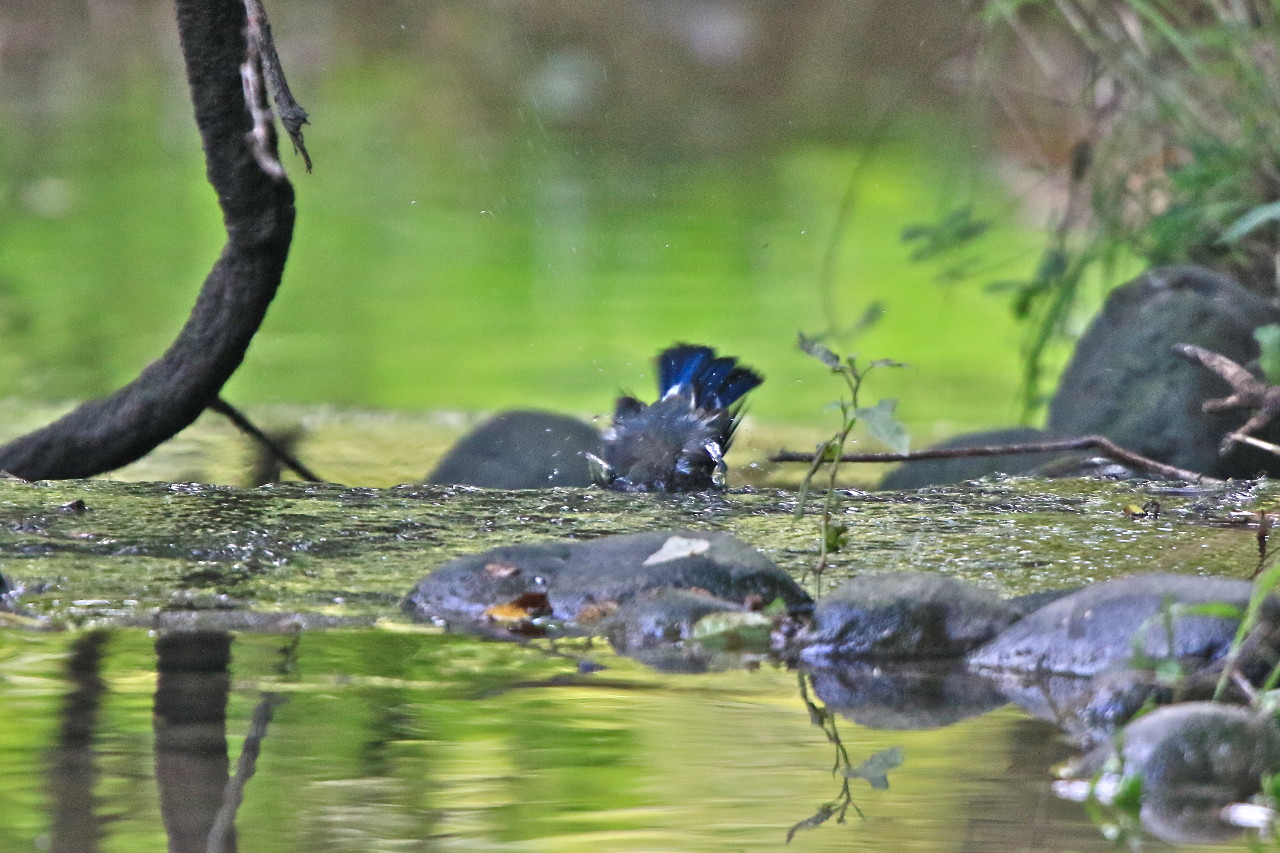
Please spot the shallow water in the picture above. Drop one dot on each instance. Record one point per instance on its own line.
(386, 735)
(390, 740)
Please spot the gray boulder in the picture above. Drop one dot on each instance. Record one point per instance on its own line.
(1123, 381)
(1193, 758)
(520, 450)
(902, 615)
(1098, 626)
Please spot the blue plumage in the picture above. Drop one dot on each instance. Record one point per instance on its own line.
(676, 444)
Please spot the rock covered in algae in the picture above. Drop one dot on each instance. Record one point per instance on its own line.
(585, 582)
(903, 615)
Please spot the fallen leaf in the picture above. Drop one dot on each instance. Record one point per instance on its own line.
(501, 570)
(596, 610)
(525, 606)
(677, 548)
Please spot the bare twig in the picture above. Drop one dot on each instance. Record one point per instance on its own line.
(1102, 445)
(1247, 392)
(261, 138)
(292, 115)
(275, 448)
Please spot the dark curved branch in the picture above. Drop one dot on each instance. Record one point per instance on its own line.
(258, 213)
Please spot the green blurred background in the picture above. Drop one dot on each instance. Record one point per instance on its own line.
(519, 204)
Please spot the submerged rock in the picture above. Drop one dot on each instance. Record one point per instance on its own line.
(583, 583)
(902, 615)
(1088, 709)
(663, 617)
(1193, 759)
(1098, 626)
(904, 694)
(520, 450)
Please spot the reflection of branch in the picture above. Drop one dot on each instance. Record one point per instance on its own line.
(222, 834)
(839, 807)
(1247, 392)
(1103, 445)
(77, 822)
(875, 769)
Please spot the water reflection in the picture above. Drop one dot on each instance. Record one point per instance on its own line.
(394, 741)
(191, 739)
(73, 767)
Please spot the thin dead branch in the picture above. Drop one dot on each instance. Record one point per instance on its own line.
(261, 42)
(1098, 443)
(1247, 392)
(273, 447)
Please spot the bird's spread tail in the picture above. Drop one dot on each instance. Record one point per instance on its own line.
(717, 383)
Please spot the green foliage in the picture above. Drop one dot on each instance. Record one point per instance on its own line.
(876, 768)
(1175, 156)
(1268, 338)
(951, 240)
(881, 424)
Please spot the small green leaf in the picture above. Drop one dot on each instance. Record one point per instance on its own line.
(1219, 609)
(884, 426)
(1268, 338)
(1128, 796)
(876, 768)
(819, 818)
(734, 630)
(834, 535)
(775, 608)
(811, 346)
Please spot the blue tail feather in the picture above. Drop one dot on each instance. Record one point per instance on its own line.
(716, 382)
(679, 364)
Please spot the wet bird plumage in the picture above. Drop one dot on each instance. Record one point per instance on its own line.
(677, 443)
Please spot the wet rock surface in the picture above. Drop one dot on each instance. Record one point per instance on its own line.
(585, 582)
(520, 450)
(1193, 759)
(903, 615)
(1096, 627)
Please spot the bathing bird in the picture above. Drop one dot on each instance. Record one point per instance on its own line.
(676, 444)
